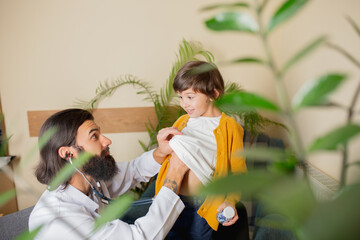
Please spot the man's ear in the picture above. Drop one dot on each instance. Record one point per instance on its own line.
(64, 152)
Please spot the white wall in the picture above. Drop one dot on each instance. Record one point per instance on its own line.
(52, 52)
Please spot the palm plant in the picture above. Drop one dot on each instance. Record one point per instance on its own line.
(165, 104)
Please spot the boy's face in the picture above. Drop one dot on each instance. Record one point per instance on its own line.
(197, 104)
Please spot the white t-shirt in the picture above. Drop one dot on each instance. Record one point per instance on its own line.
(197, 146)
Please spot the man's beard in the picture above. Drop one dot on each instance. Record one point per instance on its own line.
(101, 167)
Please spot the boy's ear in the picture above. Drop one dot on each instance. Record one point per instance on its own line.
(64, 152)
(216, 94)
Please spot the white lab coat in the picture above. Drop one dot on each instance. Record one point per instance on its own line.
(70, 214)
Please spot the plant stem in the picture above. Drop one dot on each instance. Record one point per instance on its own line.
(345, 150)
(286, 109)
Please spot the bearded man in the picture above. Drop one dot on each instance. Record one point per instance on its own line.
(70, 211)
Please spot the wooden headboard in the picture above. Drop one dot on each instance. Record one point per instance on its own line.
(110, 120)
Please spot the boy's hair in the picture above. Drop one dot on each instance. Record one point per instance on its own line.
(202, 76)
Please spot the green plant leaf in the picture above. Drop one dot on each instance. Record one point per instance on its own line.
(27, 235)
(353, 24)
(232, 21)
(264, 154)
(6, 196)
(315, 92)
(225, 5)
(68, 170)
(346, 223)
(247, 184)
(286, 11)
(113, 211)
(336, 138)
(41, 143)
(291, 198)
(243, 102)
(248, 60)
(304, 52)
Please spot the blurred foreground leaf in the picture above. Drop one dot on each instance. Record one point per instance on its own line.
(245, 184)
(41, 142)
(353, 24)
(248, 60)
(243, 102)
(286, 11)
(29, 235)
(336, 219)
(68, 170)
(233, 21)
(113, 211)
(315, 92)
(264, 154)
(291, 198)
(303, 53)
(6, 196)
(225, 5)
(336, 138)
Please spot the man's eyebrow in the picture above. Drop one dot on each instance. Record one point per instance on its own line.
(94, 130)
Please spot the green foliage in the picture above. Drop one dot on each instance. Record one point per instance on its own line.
(281, 190)
(113, 211)
(336, 138)
(233, 21)
(244, 102)
(7, 196)
(27, 235)
(304, 52)
(41, 142)
(3, 139)
(68, 170)
(315, 92)
(285, 12)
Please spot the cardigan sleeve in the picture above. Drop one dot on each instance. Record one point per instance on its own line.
(237, 162)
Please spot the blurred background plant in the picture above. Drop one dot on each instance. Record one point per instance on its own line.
(283, 187)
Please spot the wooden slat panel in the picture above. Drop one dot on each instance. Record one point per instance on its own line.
(110, 120)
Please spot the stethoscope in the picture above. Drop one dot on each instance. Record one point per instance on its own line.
(104, 199)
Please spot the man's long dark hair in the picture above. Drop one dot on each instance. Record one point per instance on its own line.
(65, 123)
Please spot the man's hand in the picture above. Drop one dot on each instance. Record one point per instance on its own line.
(234, 219)
(163, 139)
(175, 174)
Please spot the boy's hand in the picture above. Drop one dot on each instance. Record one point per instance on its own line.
(234, 219)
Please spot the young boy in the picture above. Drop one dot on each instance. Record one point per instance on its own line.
(208, 147)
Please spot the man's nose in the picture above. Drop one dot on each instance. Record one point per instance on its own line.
(105, 141)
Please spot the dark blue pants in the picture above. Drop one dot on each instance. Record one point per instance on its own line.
(190, 225)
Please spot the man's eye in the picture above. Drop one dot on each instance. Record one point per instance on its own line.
(95, 137)
(191, 97)
(180, 97)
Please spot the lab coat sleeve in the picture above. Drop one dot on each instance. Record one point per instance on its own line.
(162, 215)
(131, 173)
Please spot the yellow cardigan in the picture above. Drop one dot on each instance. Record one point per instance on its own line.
(229, 139)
